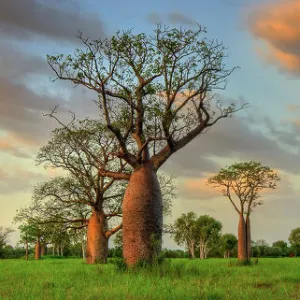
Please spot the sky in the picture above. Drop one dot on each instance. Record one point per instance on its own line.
(262, 38)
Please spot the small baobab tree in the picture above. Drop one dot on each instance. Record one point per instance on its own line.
(242, 183)
(81, 149)
(155, 94)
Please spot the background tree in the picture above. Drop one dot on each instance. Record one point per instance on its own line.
(260, 247)
(208, 232)
(184, 232)
(4, 234)
(245, 180)
(282, 245)
(294, 239)
(155, 95)
(27, 236)
(228, 243)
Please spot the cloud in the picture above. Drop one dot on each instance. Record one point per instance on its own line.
(179, 18)
(27, 19)
(239, 138)
(174, 18)
(26, 93)
(18, 179)
(193, 188)
(10, 145)
(278, 25)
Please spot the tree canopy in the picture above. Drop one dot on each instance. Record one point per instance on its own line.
(153, 90)
(245, 180)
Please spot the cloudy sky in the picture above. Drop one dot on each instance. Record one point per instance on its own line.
(263, 39)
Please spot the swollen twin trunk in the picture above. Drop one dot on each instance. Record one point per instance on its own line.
(97, 242)
(242, 239)
(248, 237)
(142, 216)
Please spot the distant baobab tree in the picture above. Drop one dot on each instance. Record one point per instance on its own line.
(245, 180)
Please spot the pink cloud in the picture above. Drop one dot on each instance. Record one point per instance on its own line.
(278, 25)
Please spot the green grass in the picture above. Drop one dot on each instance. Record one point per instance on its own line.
(211, 279)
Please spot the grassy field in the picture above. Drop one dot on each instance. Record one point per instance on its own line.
(216, 279)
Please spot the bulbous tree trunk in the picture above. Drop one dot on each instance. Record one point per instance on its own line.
(142, 216)
(37, 250)
(97, 242)
(248, 239)
(242, 251)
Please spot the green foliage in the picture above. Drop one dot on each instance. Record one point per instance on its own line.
(246, 180)
(294, 237)
(153, 90)
(228, 242)
(208, 229)
(184, 229)
(4, 234)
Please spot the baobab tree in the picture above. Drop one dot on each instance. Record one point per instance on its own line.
(245, 180)
(155, 94)
(81, 149)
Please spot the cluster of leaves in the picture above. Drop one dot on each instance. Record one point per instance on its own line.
(245, 180)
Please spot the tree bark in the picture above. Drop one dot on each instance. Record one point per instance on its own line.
(26, 250)
(43, 250)
(142, 216)
(242, 252)
(97, 242)
(202, 249)
(248, 237)
(192, 249)
(37, 250)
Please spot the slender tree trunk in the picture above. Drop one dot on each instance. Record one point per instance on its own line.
(242, 254)
(206, 250)
(43, 249)
(142, 216)
(37, 250)
(248, 237)
(201, 249)
(62, 250)
(228, 253)
(97, 242)
(53, 249)
(192, 249)
(26, 250)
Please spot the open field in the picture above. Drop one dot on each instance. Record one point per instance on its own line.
(176, 279)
